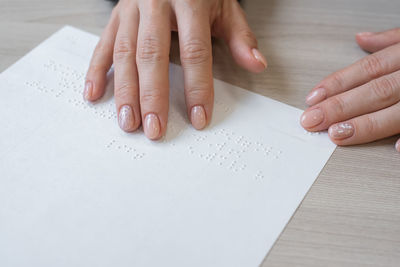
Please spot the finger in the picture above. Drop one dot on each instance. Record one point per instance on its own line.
(101, 61)
(398, 145)
(370, 97)
(233, 27)
(152, 60)
(373, 66)
(373, 42)
(367, 128)
(126, 89)
(196, 57)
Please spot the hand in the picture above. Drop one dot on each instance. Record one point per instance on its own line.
(137, 41)
(360, 103)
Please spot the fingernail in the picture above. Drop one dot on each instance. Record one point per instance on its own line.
(312, 118)
(257, 54)
(316, 96)
(398, 145)
(364, 34)
(341, 130)
(87, 92)
(126, 119)
(198, 117)
(151, 126)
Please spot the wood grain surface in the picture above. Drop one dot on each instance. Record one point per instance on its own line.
(351, 216)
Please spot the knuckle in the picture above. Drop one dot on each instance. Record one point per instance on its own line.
(150, 50)
(373, 66)
(124, 49)
(195, 52)
(152, 97)
(248, 35)
(338, 79)
(370, 125)
(125, 90)
(337, 105)
(200, 93)
(384, 88)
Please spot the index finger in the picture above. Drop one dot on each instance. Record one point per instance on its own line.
(370, 67)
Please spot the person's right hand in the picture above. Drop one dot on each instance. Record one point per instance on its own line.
(137, 41)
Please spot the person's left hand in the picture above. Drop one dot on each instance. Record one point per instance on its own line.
(360, 103)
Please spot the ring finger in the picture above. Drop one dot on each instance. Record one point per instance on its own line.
(126, 78)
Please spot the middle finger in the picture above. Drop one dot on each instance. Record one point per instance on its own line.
(152, 61)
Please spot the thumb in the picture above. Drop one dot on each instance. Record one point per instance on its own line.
(232, 26)
(373, 42)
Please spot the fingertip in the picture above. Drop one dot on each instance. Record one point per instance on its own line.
(337, 140)
(127, 120)
(242, 41)
(316, 96)
(250, 59)
(341, 143)
(363, 40)
(198, 117)
(152, 127)
(375, 41)
(397, 146)
(364, 35)
(260, 58)
(200, 109)
(92, 91)
(312, 119)
(88, 90)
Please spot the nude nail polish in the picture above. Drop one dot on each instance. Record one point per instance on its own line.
(312, 118)
(151, 126)
(365, 34)
(198, 117)
(88, 91)
(126, 118)
(341, 130)
(260, 57)
(398, 145)
(316, 96)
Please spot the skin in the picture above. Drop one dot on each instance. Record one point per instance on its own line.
(360, 103)
(357, 104)
(137, 42)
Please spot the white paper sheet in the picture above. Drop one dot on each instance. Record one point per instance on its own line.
(77, 191)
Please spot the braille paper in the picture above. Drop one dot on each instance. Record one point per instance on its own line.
(77, 191)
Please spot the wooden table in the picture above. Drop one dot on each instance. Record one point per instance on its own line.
(351, 216)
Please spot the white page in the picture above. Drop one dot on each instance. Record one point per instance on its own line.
(77, 191)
